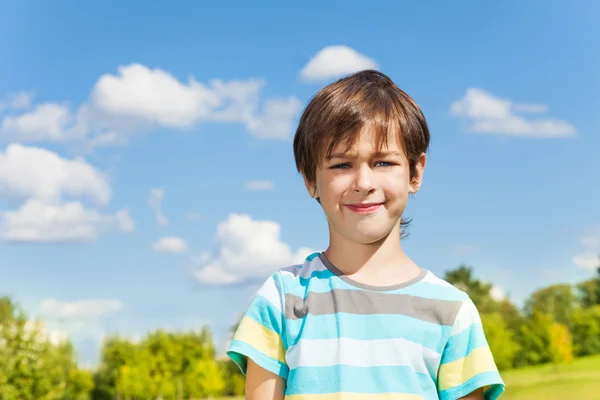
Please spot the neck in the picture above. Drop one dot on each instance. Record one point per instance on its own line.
(351, 257)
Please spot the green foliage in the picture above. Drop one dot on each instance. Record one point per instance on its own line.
(179, 365)
(479, 291)
(557, 323)
(500, 339)
(589, 291)
(534, 338)
(586, 330)
(32, 366)
(558, 301)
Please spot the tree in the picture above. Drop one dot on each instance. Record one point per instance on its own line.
(589, 290)
(586, 331)
(558, 301)
(561, 344)
(500, 339)
(32, 366)
(534, 340)
(478, 291)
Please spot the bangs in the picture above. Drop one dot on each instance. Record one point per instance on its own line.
(372, 110)
(340, 112)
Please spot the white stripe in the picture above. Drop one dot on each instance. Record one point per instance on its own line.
(431, 278)
(305, 270)
(467, 316)
(362, 353)
(269, 291)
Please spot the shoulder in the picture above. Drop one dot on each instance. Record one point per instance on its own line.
(455, 303)
(285, 280)
(441, 289)
(296, 274)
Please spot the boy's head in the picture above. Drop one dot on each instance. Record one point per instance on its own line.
(361, 140)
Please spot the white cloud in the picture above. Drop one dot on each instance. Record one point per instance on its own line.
(530, 108)
(141, 95)
(589, 257)
(247, 249)
(155, 199)
(170, 244)
(47, 121)
(33, 172)
(335, 61)
(92, 308)
(109, 139)
(497, 293)
(490, 114)
(258, 185)
(49, 189)
(276, 121)
(194, 216)
(153, 95)
(70, 222)
(140, 98)
(17, 101)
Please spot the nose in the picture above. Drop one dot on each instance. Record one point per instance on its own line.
(363, 181)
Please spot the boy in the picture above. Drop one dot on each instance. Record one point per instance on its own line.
(361, 320)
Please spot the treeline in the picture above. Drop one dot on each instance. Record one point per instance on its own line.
(162, 365)
(557, 323)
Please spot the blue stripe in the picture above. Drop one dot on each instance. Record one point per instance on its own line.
(299, 285)
(368, 327)
(263, 312)
(484, 379)
(461, 344)
(322, 380)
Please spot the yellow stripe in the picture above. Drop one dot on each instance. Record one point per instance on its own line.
(355, 396)
(261, 338)
(459, 371)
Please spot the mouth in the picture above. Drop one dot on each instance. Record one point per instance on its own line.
(364, 208)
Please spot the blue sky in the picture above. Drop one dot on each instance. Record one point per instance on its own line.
(146, 171)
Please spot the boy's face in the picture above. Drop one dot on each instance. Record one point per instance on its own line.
(364, 192)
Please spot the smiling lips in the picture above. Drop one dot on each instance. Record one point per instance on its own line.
(364, 208)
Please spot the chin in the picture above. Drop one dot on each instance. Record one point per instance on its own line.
(367, 236)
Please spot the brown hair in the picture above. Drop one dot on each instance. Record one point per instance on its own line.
(338, 112)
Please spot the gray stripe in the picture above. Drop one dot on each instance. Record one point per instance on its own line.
(442, 312)
(361, 285)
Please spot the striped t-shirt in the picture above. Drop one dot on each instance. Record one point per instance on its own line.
(334, 338)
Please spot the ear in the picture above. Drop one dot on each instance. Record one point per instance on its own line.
(311, 188)
(417, 180)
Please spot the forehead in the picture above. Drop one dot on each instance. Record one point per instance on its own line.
(368, 140)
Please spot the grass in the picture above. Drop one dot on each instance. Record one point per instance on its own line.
(579, 380)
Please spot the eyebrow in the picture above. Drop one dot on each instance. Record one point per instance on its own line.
(376, 154)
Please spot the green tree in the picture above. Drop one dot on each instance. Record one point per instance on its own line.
(589, 291)
(500, 339)
(32, 366)
(534, 340)
(479, 291)
(586, 330)
(558, 301)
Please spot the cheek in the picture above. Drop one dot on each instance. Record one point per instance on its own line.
(333, 187)
(396, 184)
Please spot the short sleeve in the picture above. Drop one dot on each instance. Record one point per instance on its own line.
(467, 363)
(260, 334)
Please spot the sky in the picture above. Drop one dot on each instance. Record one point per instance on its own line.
(147, 178)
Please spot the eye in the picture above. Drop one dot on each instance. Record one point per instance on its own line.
(340, 166)
(384, 164)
